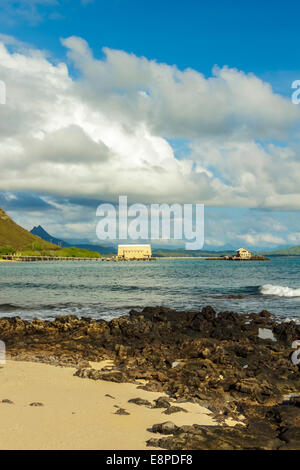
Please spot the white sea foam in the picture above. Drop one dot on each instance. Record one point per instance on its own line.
(279, 291)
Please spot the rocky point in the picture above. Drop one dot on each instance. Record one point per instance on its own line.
(216, 360)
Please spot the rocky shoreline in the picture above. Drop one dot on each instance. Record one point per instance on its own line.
(215, 359)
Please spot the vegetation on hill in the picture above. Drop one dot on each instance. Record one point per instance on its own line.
(67, 252)
(16, 237)
(16, 240)
(293, 251)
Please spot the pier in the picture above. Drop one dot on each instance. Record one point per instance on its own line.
(61, 258)
(47, 258)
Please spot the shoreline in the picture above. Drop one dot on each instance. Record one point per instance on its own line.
(216, 361)
(8, 260)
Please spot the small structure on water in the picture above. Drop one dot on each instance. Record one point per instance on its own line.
(127, 252)
(243, 253)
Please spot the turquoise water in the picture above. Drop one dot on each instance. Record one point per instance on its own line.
(107, 289)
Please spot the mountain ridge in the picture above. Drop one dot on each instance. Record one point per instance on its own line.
(39, 231)
(14, 236)
(42, 233)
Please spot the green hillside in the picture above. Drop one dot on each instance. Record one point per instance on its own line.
(15, 239)
(293, 251)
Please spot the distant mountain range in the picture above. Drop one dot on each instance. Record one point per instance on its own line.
(102, 249)
(166, 252)
(40, 232)
(157, 251)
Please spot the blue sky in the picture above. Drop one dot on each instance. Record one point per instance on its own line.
(254, 36)
(261, 37)
(248, 126)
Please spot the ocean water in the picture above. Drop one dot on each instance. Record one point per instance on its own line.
(107, 289)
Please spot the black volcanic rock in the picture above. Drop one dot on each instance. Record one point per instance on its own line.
(140, 402)
(221, 362)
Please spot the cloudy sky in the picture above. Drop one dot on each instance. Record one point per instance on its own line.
(161, 101)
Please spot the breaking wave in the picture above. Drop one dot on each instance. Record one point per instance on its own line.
(279, 291)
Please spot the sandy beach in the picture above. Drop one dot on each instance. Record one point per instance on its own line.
(85, 371)
(76, 413)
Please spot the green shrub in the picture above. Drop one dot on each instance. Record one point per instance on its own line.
(7, 250)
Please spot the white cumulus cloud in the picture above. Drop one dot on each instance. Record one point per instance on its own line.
(110, 131)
